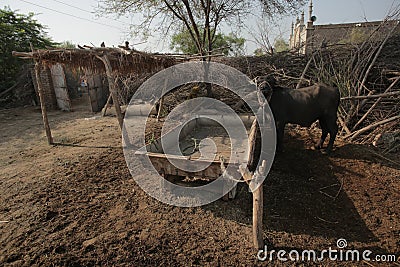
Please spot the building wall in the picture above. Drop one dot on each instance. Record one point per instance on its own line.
(48, 89)
(307, 37)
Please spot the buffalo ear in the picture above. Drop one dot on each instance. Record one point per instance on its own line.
(266, 90)
(268, 94)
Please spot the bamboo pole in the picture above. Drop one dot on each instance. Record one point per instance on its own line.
(112, 86)
(43, 103)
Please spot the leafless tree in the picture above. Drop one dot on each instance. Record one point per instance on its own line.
(164, 16)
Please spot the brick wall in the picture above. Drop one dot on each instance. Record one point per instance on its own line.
(48, 89)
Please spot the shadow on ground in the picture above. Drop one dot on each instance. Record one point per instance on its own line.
(304, 197)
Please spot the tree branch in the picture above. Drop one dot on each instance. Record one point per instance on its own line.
(369, 127)
(375, 104)
(195, 28)
(370, 96)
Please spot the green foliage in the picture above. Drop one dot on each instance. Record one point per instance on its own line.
(259, 52)
(281, 45)
(17, 33)
(221, 44)
(358, 35)
(67, 45)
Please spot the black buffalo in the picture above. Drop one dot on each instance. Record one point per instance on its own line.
(303, 107)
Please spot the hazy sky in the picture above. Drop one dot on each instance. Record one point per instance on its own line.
(81, 26)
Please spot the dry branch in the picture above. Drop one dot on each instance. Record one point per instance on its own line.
(371, 96)
(305, 71)
(372, 126)
(104, 111)
(376, 57)
(375, 104)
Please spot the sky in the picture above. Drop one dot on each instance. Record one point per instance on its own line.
(76, 21)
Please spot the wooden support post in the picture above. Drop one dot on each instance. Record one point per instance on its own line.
(253, 179)
(103, 113)
(257, 190)
(252, 145)
(43, 103)
(160, 108)
(113, 88)
(258, 237)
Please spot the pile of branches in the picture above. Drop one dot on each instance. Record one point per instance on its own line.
(128, 84)
(368, 76)
(286, 67)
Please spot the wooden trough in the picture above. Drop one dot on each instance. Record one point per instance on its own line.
(189, 137)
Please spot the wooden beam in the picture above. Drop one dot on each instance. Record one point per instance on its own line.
(113, 90)
(43, 103)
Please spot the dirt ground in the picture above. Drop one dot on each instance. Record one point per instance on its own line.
(76, 204)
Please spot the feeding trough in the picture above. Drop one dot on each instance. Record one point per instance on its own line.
(206, 148)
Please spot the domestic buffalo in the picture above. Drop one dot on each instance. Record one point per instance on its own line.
(303, 107)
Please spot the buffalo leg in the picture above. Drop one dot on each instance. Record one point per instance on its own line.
(333, 129)
(324, 129)
(280, 129)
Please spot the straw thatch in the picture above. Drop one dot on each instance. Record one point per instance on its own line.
(122, 61)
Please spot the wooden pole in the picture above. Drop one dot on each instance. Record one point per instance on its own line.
(160, 108)
(113, 90)
(106, 106)
(43, 103)
(252, 145)
(258, 237)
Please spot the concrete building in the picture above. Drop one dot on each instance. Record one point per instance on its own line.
(306, 37)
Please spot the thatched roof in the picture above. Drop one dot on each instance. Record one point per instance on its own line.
(122, 61)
